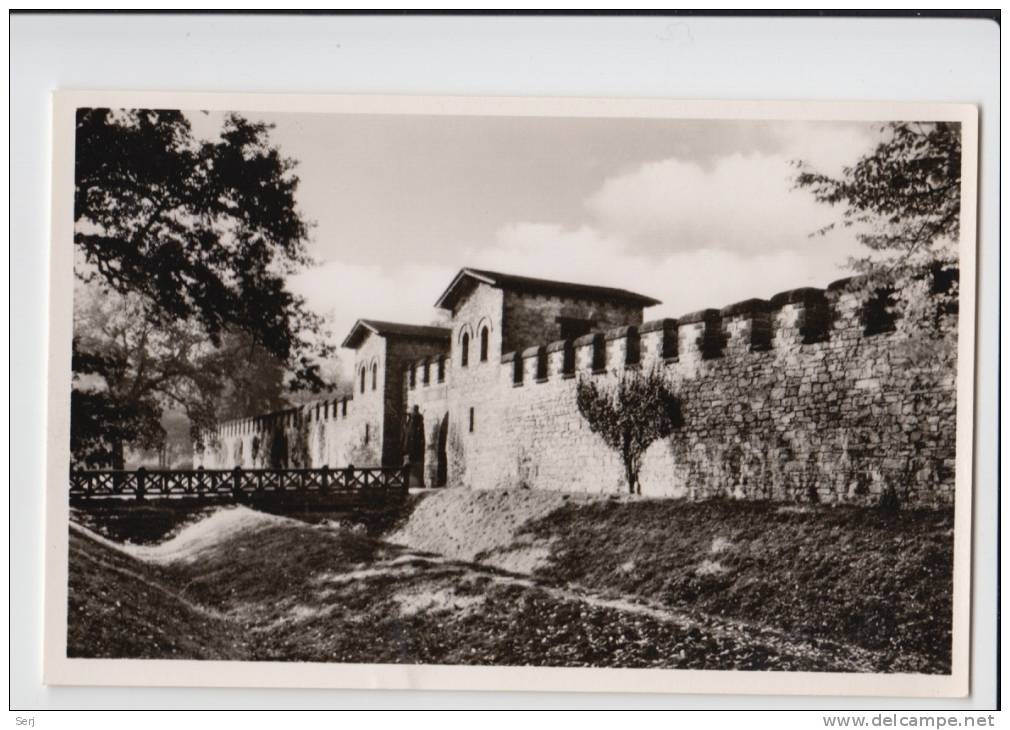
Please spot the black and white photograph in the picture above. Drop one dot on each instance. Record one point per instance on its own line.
(564, 386)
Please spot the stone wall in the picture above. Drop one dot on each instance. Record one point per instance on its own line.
(802, 398)
(330, 432)
(401, 353)
(473, 388)
(363, 435)
(806, 397)
(531, 318)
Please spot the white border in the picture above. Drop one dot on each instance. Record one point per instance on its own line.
(61, 670)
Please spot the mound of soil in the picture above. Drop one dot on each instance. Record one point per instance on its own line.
(121, 607)
(523, 577)
(141, 523)
(290, 592)
(484, 525)
(877, 580)
(196, 539)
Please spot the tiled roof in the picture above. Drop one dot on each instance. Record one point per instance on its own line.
(392, 329)
(458, 288)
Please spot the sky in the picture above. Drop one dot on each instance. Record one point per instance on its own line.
(696, 213)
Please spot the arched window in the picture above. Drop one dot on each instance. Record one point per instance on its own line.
(375, 376)
(483, 344)
(362, 380)
(465, 344)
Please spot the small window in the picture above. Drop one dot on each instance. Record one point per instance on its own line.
(343, 408)
(375, 376)
(572, 327)
(471, 420)
(427, 372)
(441, 369)
(464, 359)
(367, 433)
(362, 380)
(483, 344)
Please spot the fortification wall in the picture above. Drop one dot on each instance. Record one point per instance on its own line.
(325, 433)
(431, 396)
(809, 396)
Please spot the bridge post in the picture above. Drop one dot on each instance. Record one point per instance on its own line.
(324, 479)
(236, 483)
(349, 477)
(141, 477)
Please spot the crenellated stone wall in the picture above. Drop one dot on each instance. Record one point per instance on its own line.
(809, 396)
(330, 432)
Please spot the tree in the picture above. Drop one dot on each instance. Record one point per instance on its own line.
(904, 202)
(630, 416)
(189, 243)
(138, 371)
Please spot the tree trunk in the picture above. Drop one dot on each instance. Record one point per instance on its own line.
(118, 455)
(629, 474)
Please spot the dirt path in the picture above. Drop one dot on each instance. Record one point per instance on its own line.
(847, 658)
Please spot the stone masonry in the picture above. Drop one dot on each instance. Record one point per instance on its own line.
(804, 397)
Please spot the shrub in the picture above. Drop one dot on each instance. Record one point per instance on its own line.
(630, 416)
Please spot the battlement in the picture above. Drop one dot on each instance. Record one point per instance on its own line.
(426, 371)
(806, 395)
(323, 410)
(787, 321)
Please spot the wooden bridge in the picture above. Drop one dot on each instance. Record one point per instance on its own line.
(338, 486)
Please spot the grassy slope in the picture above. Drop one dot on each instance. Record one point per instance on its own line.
(141, 522)
(879, 581)
(120, 607)
(293, 592)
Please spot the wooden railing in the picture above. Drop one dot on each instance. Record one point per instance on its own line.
(237, 483)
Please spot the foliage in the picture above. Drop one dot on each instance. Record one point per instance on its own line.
(632, 414)
(130, 371)
(904, 202)
(188, 243)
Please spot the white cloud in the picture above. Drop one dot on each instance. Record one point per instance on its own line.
(741, 203)
(694, 234)
(683, 280)
(345, 292)
(828, 147)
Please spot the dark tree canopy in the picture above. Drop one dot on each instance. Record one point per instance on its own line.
(185, 246)
(630, 416)
(204, 230)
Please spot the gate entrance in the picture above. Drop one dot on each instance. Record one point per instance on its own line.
(441, 456)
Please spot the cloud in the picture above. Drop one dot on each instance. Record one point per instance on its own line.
(683, 280)
(693, 230)
(742, 203)
(344, 292)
